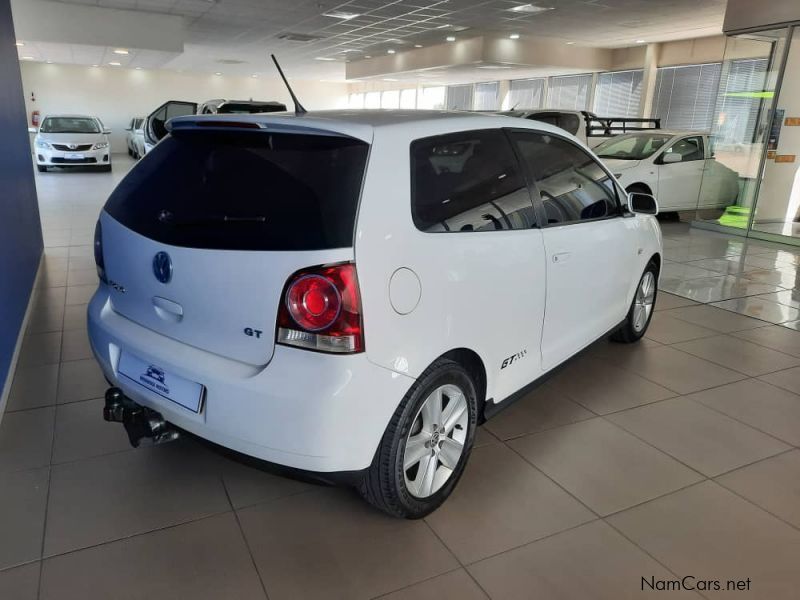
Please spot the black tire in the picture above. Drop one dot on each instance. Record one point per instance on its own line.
(41, 168)
(383, 484)
(627, 333)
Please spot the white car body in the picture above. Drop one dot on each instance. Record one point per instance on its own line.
(135, 137)
(699, 182)
(85, 143)
(517, 302)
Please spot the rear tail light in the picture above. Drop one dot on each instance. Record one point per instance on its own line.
(98, 252)
(321, 310)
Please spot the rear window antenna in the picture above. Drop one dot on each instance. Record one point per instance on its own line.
(298, 108)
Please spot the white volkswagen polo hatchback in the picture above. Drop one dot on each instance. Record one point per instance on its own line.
(352, 293)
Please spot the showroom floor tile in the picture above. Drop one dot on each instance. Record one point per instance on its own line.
(588, 484)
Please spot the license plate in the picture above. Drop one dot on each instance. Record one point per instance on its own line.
(74, 156)
(167, 385)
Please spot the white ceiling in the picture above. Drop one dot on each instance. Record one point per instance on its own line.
(235, 36)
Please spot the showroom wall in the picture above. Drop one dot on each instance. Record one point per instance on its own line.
(116, 94)
(20, 229)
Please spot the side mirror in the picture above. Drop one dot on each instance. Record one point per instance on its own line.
(643, 204)
(33, 130)
(672, 157)
(106, 132)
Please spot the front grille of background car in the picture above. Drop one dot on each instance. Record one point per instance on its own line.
(72, 161)
(77, 148)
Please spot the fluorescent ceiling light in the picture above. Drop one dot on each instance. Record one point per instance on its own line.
(529, 8)
(344, 16)
(514, 36)
(570, 43)
(217, 73)
(328, 58)
(443, 26)
(115, 64)
(451, 38)
(121, 51)
(19, 44)
(493, 67)
(640, 41)
(417, 45)
(390, 51)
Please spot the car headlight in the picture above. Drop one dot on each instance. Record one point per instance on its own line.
(100, 145)
(42, 144)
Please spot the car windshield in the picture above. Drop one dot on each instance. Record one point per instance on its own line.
(70, 125)
(632, 146)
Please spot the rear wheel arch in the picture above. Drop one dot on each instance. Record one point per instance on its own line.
(473, 364)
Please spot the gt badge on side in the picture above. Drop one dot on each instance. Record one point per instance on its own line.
(513, 358)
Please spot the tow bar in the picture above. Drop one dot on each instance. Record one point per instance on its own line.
(139, 421)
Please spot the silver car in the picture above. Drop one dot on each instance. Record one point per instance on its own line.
(72, 140)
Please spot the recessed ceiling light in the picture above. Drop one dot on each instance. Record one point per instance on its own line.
(49, 62)
(344, 16)
(514, 36)
(570, 43)
(451, 38)
(529, 8)
(27, 58)
(389, 79)
(115, 64)
(254, 75)
(20, 44)
(138, 68)
(324, 58)
(390, 51)
(417, 45)
(95, 66)
(121, 51)
(368, 56)
(217, 73)
(640, 41)
(493, 67)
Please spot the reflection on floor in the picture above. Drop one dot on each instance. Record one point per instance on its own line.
(750, 277)
(674, 456)
(790, 229)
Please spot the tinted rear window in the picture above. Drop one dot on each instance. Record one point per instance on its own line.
(245, 191)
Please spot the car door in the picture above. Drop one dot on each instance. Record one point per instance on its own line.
(679, 182)
(590, 246)
(155, 125)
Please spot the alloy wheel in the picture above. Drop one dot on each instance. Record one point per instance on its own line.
(643, 303)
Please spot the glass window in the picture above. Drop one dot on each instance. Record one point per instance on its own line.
(685, 97)
(202, 189)
(690, 148)
(618, 94)
(569, 92)
(468, 181)
(372, 100)
(632, 146)
(459, 97)
(487, 96)
(573, 186)
(525, 93)
(432, 98)
(408, 98)
(356, 101)
(70, 125)
(390, 99)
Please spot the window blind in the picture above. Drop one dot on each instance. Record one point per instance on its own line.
(618, 93)
(526, 93)
(686, 97)
(569, 92)
(459, 97)
(486, 96)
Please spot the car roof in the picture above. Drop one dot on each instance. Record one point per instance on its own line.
(72, 116)
(362, 123)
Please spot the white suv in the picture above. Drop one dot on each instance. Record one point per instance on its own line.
(72, 140)
(352, 293)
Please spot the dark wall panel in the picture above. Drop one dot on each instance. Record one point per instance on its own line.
(20, 229)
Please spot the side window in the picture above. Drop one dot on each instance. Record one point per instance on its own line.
(573, 186)
(690, 148)
(468, 181)
(569, 122)
(549, 118)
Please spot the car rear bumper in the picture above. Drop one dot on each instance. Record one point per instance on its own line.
(305, 410)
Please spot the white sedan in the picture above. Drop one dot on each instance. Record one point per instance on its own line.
(72, 140)
(678, 168)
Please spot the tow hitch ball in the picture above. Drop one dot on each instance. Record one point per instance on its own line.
(139, 421)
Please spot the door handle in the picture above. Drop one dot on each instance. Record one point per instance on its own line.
(561, 257)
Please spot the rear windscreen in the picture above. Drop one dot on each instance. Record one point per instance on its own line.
(245, 191)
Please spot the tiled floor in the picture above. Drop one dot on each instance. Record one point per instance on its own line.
(676, 456)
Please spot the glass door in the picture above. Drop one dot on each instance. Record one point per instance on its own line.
(742, 129)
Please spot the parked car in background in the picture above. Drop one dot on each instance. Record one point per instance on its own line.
(134, 124)
(677, 167)
(154, 126)
(138, 140)
(351, 292)
(130, 138)
(585, 125)
(72, 140)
